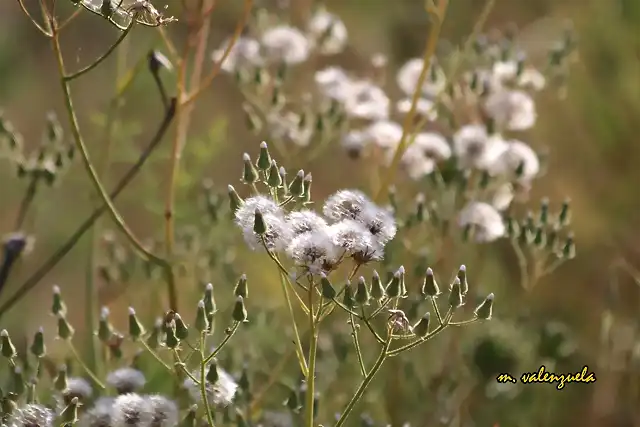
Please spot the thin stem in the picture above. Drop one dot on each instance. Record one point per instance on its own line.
(298, 343)
(367, 380)
(26, 201)
(203, 381)
(54, 259)
(89, 372)
(437, 310)
(356, 344)
(414, 344)
(370, 327)
(70, 19)
(32, 19)
(94, 64)
(155, 355)
(248, 5)
(522, 264)
(224, 342)
(429, 51)
(311, 371)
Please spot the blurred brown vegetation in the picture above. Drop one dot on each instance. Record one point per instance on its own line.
(592, 138)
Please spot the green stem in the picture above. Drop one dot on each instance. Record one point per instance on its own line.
(356, 343)
(89, 372)
(365, 383)
(26, 201)
(155, 355)
(203, 381)
(311, 371)
(224, 342)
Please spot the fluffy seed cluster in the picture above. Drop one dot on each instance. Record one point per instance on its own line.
(351, 225)
(126, 380)
(219, 395)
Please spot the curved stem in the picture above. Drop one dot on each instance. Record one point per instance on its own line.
(94, 64)
(203, 381)
(356, 344)
(155, 355)
(32, 19)
(226, 339)
(89, 372)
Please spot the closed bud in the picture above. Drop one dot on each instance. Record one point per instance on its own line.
(7, 348)
(485, 309)
(212, 376)
(569, 248)
(306, 194)
(153, 340)
(259, 226)
(283, 177)
(544, 212)
(362, 293)
(38, 348)
(347, 297)
(239, 310)
(65, 330)
(540, 237)
(513, 228)
(326, 288)
(430, 286)
(296, 188)
(201, 323)
(552, 239)
(264, 159)
(241, 289)
(455, 294)
(182, 331)
(565, 215)
(249, 172)
(136, 330)
(421, 328)
(293, 401)
(104, 326)
(61, 381)
(377, 290)
(209, 300)
(394, 288)
(274, 179)
(243, 382)
(115, 345)
(170, 338)
(58, 306)
(462, 275)
(17, 380)
(69, 415)
(420, 208)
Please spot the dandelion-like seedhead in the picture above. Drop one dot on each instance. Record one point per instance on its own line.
(220, 394)
(126, 380)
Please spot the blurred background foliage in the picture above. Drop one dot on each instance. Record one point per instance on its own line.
(591, 136)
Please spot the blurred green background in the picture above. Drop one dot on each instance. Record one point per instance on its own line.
(591, 136)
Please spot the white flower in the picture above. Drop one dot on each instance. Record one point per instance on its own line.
(126, 380)
(30, 415)
(511, 109)
(78, 387)
(505, 72)
(314, 250)
(354, 238)
(424, 108)
(278, 231)
(354, 142)
(365, 100)
(100, 414)
(474, 148)
(285, 44)
(530, 78)
(487, 222)
(380, 222)
(244, 53)
(328, 32)
(515, 154)
(163, 410)
(346, 204)
(385, 134)
(502, 197)
(287, 128)
(220, 394)
(407, 79)
(131, 409)
(333, 82)
(421, 157)
(305, 221)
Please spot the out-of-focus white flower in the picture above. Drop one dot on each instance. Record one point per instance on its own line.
(77, 387)
(100, 413)
(385, 134)
(424, 107)
(346, 204)
(408, 75)
(32, 414)
(286, 127)
(356, 240)
(365, 100)
(380, 222)
(219, 395)
(163, 410)
(333, 82)
(474, 148)
(131, 409)
(354, 142)
(502, 197)
(286, 44)
(244, 53)
(487, 222)
(506, 72)
(126, 380)
(511, 109)
(328, 32)
(421, 157)
(515, 154)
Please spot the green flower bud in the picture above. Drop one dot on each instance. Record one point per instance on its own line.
(115, 345)
(201, 323)
(58, 306)
(209, 300)
(7, 348)
(420, 208)
(182, 331)
(274, 179)
(259, 226)
(153, 340)
(485, 309)
(243, 381)
(430, 286)
(296, 188)
(249, 172)
(239, 310)
(61, 381)
(544, 212)
(327, 289)
(283, 177)
(234, 199)
(569, 248)
(136, 330)
(65, 330)
(455, 294)
(293, 401)
(565, 214)
(264, 159)
(513, 228)
(171, 340)
(540, 237)
(212, 376)
(377, 290)
(421, 328)
(69, 415)
(241, 289)
(17, 381)
(347, 298)
(38, 348)
(462, 275)
(362, 293)
(395, 286)
(104, 327)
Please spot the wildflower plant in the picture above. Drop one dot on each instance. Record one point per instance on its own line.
(452, 143)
